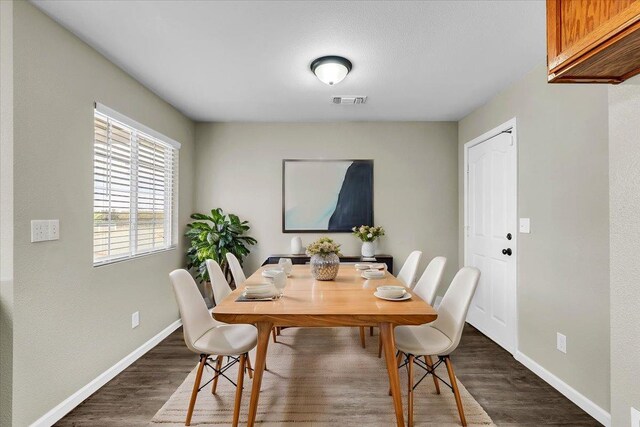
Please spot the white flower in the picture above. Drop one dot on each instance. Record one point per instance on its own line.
(369, 235)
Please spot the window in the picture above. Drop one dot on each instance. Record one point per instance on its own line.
(135, 188)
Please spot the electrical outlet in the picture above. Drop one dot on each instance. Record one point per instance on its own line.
(525, 225)
(635, 417)
(561, 343)
(135, 320)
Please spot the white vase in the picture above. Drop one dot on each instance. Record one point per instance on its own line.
(368, 249)
(296, 245)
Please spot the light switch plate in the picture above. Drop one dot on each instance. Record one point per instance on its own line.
(635, 417)
(525, 225)
(45, 229)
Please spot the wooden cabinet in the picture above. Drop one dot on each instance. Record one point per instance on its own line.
(593, 41)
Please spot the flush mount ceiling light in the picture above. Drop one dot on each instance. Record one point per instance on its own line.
(331, 69)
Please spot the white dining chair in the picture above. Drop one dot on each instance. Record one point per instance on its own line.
(426, 287)
(205, 336)
(236, 270)
(221, 287)
(439, 338)
(409, 270)
(428, 284)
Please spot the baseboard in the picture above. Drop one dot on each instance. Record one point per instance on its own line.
(602, 416)
(79, 396)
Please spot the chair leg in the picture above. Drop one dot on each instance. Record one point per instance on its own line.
(379, 347)
(371, 330)
(196, 385)
(410, 391)
(249, 368)
(435, 379)
(236, 407)
(362, 342)
(456, 392)
(215, 379)
(273, 331)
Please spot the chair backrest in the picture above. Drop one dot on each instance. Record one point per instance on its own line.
(196, 319)
(452, 312)
(409, 269)
(219, 283)
(236, 270)
(429, 282)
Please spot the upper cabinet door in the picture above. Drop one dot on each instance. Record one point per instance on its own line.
(593, 41)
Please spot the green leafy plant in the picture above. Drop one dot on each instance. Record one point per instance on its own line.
(212, 237)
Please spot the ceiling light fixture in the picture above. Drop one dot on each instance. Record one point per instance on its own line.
(331, 70)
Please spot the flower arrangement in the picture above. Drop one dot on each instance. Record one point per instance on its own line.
(323, 246)
(368, 233)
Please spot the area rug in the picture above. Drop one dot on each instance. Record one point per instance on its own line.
(321, 377)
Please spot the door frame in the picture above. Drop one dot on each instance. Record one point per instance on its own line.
(504, 127)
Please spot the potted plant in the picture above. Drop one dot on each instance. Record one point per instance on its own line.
(325, 260)
(368, 235)
(212, 237)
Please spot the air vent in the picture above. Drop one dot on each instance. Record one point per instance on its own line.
(349, 100)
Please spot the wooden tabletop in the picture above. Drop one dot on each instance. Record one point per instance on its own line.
(346, 301)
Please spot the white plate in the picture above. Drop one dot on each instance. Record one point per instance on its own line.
(404, 297)
(363, 266)
(378, 266)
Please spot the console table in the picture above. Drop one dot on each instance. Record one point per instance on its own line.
(304, 259)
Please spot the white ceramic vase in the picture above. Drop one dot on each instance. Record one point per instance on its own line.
(296, 245)
(368, 249)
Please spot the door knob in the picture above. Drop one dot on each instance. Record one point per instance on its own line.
(507, 251)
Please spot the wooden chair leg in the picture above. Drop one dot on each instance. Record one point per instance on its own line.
(379, 347)
(249, 368)
(410, 391)
(215, 379)
(362, 342)
(456, 392)
(236, 406)
(435, 379)
(196, 385)
(274, 333)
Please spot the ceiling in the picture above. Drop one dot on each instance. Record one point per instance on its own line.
(249, 61)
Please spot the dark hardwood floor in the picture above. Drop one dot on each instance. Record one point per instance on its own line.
(510, 393)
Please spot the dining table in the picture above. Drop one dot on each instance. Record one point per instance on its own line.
(346, 301)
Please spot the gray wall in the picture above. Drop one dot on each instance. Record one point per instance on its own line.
(563, 268)
(624, 169)
(239, 168)
(73, 321)
(6, 210)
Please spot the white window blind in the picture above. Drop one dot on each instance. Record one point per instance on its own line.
(135, 176)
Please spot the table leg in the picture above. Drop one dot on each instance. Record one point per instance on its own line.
(264, 330)
(388, 345)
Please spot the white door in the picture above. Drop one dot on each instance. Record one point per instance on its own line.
(490, 235)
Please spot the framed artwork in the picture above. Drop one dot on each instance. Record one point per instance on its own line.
(326, 195)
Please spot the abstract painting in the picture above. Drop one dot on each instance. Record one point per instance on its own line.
(326, 195)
